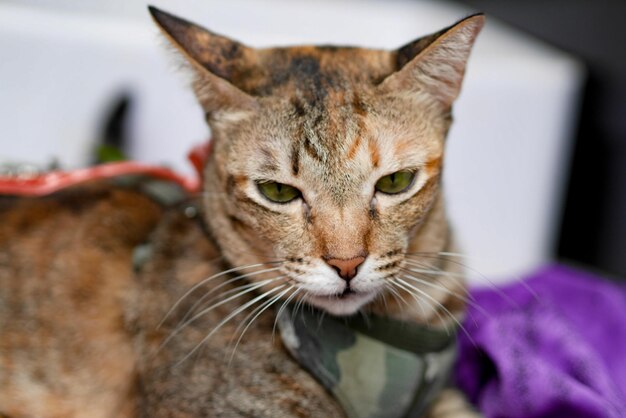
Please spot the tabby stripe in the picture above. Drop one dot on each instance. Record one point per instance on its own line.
(374, 153)
(355, 146)
(237, 221)
(298, 107)
(391, 253)
(433, 165)
(358, 106)
(311, 150)
(388, 266)
(295, 160)
(232, 182)
(269, 161)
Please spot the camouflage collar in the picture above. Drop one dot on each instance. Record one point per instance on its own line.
(376, 367)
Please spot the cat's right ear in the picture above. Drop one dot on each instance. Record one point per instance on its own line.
(215, 59)
(435, 64)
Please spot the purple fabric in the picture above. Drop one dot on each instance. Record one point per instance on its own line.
(560, 352)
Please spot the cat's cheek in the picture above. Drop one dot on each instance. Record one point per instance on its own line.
(289, 236)
(405, 218)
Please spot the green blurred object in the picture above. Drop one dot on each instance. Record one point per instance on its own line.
(113, 139)
(108, 153)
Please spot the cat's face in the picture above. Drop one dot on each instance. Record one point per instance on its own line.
(299, 183)
(326, 162)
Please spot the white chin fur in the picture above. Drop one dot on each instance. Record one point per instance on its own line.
(341, 307)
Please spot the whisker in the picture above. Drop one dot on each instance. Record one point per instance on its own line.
(383, 296)
(468, 298)
(258, 254)
(437, 272)
(299, 304)
(491, 283)
(432, 270)
(217, 297)
(261, 308)
(442, 307)
(457, 295)
(203, 312)
(419, 302)
(396, 295)
(202, 282)
(522, 282)
(228, 318)
(282, 308)
(227, 282)
(445, 253)
(450, 254)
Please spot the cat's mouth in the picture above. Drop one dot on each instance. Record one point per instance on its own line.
(345, 303)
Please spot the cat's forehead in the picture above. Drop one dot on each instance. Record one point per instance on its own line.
(334, 147)
(314, 73)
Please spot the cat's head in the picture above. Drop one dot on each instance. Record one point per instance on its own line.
(326, 162)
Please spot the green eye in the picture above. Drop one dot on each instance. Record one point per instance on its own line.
(395, 183)
(278, 192)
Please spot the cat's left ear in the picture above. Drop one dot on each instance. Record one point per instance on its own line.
(435, 64)
(217, 62)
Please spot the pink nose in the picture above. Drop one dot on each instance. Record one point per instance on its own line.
(345, 268)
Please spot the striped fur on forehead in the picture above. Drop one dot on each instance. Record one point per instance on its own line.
(313, 73)
(333, 147)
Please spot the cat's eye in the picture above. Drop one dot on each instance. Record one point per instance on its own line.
(395, 183)
(278, 192)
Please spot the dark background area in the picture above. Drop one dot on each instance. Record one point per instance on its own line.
(593, 225)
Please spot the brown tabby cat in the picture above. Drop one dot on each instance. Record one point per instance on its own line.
(323, 187)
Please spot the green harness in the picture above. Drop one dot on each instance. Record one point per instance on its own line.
(375, 367)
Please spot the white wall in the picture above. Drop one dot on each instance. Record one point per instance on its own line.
(62, 62)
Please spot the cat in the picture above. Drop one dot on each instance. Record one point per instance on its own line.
(323, 187)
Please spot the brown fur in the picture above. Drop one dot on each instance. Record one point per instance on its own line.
(65, 276)
(80, 335)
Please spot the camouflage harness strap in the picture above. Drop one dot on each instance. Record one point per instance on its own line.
(376, 367)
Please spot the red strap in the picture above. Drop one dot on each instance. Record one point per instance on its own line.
(199, 155)
(44, 184)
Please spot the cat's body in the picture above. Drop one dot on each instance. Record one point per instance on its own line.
(309, 143)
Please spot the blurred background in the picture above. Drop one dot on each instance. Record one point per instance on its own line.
(536, 164)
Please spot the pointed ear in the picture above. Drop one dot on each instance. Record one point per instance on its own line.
(216, 61)
(435, 64)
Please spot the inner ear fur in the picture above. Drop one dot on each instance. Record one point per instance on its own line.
(435, 64)
(215, 59)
